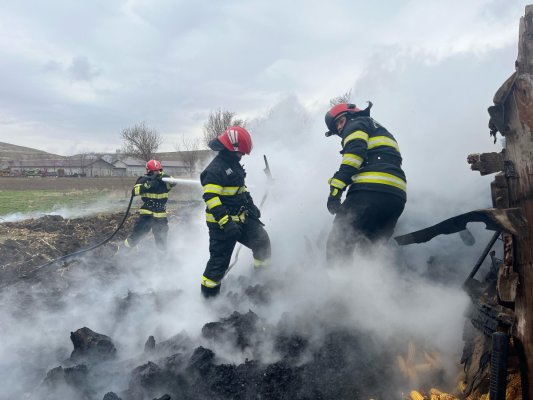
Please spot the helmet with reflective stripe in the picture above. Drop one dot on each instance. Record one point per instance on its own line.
(344, 109)
(236, 138)
(153, 165)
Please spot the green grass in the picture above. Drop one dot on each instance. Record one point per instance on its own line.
(12, 201)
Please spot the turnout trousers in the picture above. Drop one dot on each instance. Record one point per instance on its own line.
(252, 235)
(365, 217)
(143, 225)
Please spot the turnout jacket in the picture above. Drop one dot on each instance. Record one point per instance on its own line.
(154, 194)
(371, 159)
(225, 193)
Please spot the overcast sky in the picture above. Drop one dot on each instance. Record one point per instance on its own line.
(75, 73)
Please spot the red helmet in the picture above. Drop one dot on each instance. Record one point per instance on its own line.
(153, 165)
(236, 138)
(338, 111)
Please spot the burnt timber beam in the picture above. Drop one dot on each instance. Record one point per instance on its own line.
(512, 116)
(486, 163)
(509, 220)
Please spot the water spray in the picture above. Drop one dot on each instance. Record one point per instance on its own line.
(181, 180)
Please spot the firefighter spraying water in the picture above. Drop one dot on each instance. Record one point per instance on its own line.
(153, 213)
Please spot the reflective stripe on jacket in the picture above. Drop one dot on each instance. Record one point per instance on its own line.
(371, 159)
(154, 194)
(225, 193)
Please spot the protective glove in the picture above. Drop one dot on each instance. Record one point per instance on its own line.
(254, 211)
(334, 200)
(136, 187)
(334, 204)
(232, 231)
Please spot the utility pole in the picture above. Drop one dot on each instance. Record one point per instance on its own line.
(512, 116)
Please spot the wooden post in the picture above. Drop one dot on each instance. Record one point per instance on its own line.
(518, 156)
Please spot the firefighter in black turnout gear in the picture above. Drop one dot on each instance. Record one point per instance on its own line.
(231, 214)
(371, 170)
(152, 214)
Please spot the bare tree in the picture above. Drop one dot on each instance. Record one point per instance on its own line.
(343, 98)
(188, 147)
(140, 141)
(217, 122)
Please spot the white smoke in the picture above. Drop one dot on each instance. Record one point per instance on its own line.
(383, 291)
(105, 204)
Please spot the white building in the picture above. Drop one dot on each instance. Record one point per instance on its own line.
(136, 167)
(81, 166)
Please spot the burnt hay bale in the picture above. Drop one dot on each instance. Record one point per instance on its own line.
(237, 328)
(92, 346)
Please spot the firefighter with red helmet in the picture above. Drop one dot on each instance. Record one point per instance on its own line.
(231, 214)
(371, 173)
(152, 214)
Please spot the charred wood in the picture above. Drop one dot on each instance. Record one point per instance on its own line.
(237, 328)
(500, 191)
(111, 396)
(149, 346)
(486, 163)
(511, 220)
(92, 346)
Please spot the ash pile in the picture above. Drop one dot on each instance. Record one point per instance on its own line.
(344, 365)
(113, 326)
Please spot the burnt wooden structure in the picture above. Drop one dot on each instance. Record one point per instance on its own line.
(512, 116)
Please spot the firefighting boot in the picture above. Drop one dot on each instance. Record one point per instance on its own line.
(261, 265)
(210, 292)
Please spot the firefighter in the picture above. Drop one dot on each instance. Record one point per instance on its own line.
(152, 215)
(231, 214)
(371, 172)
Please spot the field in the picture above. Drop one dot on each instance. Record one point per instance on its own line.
(23, 195)
(66, 184)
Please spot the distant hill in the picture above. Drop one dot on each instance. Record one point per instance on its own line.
(10, 152)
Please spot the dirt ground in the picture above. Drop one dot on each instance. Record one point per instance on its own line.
(28, 244)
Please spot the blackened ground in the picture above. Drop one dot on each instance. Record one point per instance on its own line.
(346, 365)
(28, 244)
(342, 364)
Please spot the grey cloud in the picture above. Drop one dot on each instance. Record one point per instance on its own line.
(167, 62)
(82, 70)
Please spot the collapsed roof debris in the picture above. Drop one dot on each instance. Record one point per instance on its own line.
(498, 333)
